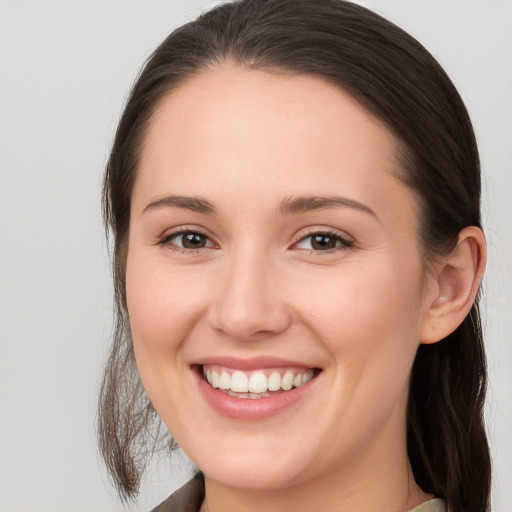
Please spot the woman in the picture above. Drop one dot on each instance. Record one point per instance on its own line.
(294, 196)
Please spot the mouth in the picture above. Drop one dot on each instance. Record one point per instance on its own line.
(255, 384)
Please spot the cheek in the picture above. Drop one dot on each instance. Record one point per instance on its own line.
(366, 314)
(369, 323)
(161, 307)
(160, 316)
(153, 309)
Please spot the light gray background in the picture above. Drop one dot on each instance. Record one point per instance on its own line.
(65, 70)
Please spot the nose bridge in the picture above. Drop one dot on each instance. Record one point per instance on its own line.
(248, 300)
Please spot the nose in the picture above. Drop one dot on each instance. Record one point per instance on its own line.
(249, 300)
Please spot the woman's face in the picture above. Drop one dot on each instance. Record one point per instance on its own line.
(271, 245)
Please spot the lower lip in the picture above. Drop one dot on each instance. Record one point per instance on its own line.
(251, 409)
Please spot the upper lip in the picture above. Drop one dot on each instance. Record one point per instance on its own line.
(253, 363)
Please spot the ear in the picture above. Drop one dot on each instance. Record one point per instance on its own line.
(453, 287)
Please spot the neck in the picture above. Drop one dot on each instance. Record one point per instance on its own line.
(378, 481)
(385, 490)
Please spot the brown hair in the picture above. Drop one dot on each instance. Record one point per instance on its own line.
(396, 79)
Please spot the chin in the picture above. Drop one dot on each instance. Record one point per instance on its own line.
(253, 477)
(241, 465)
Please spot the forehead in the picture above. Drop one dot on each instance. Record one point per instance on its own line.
(280, 133)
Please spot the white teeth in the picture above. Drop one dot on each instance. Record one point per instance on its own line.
(274, 382)
(214, 379)
(239, 382)
(306, 377)
(225, 381)
(287, 381)
(258, 383)
(250, 396)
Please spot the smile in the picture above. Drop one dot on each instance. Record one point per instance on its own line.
(256, 384)
(255, 389)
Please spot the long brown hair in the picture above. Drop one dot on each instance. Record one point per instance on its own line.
(396, 79)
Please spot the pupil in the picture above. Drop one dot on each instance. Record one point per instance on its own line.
(193, 241)
(323, 242)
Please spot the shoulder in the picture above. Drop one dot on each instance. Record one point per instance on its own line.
(434, 505)
(186, 499)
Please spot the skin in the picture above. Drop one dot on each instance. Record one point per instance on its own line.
(246, 141)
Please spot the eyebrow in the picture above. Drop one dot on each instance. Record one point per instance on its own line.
(195, 204)
(299, 204)
(290, 205)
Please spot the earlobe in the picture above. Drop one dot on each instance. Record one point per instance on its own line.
(456, 285)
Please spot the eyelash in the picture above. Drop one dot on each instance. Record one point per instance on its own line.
(344, 243)
(166, 240)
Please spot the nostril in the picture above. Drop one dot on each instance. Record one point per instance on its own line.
(249, 324)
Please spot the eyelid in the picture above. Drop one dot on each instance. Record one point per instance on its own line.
(347, 241)
(165, 239)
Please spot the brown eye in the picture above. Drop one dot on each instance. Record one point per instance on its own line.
(323, 242)
(193, 240)
(186, 240)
